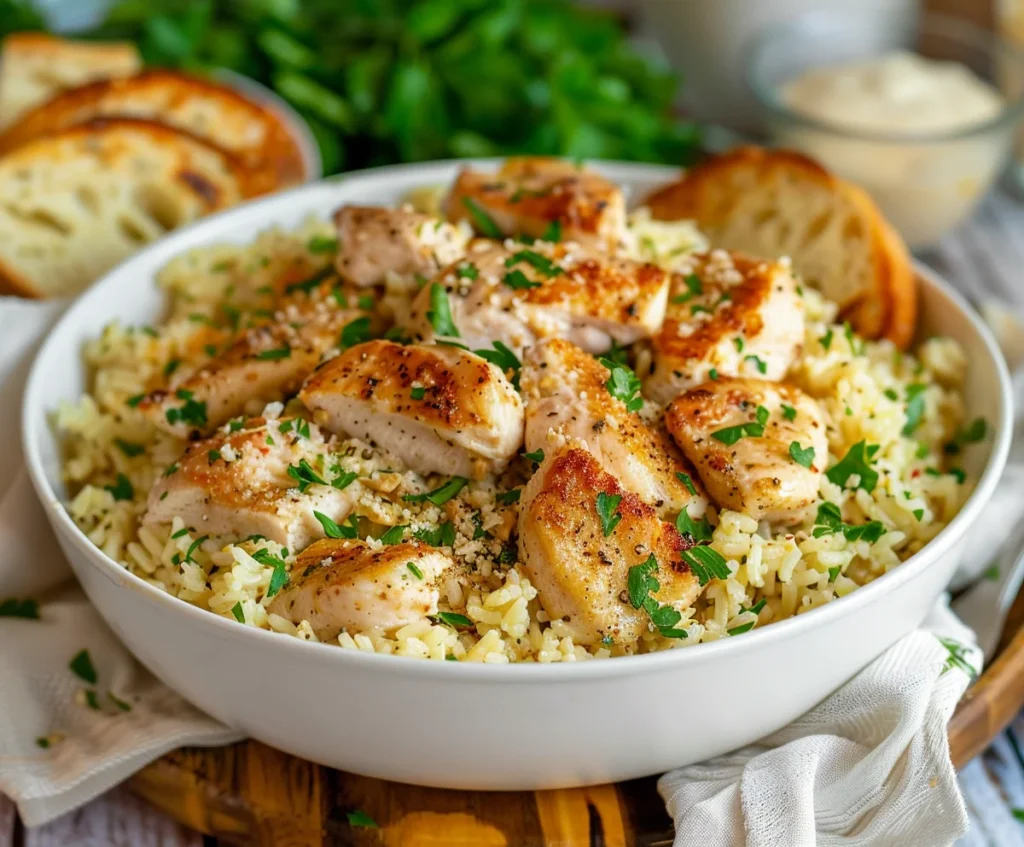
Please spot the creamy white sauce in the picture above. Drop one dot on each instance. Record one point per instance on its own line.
(897, 93)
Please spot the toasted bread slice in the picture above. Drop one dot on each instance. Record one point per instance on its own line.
(76, 203)
(777, 203)
(206, 109)
(35, 67)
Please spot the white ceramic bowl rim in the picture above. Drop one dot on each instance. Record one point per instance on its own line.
(520, 672)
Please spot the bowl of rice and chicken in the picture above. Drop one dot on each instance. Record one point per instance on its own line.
(497, 417)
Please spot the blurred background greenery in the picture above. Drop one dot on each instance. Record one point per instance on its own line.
(383, 81)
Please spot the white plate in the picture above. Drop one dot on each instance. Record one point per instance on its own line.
(461, 725)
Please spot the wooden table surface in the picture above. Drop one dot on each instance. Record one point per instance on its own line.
(985, 257)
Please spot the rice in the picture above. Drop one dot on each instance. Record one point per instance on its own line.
(113, 456)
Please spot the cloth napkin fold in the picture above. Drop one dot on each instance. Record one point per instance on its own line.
(869, 765)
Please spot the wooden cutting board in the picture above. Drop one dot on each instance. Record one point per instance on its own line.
(251, 794)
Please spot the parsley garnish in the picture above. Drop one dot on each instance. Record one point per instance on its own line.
(915, 407)
(394, 535)
(553, 233)
(195, 546)
(706, 564)
(481, 220)
(802, 456)
(193, 412)
(439, 496)
(442, 536)
(739, 344)
(697, 530)
(454, 619)
(971, 434)
(640, 584)
(759, 363)
(279, 578)
(731, 434)
(322, 244)
(128, 448)
(275, 354)
(537, 456)
(687, 481)
(623, 385)
(415, 571)
(213, 455)
(304, 475)
(332, 530)
(617, 354)
(713, 374)
(440, 314)
(501, 356)
(307, 285)
(14, 608)
(829, 521)
(739, 630)
(518, 280)
(826, 339)
(535, 260)
(418, 392)
(697, 309)
(957, 657)
(238, 612)
(467, 271)
(356, 331)
(856, 461)
(607, 510)
(788, 412)
(121, 489)
(694, 287)
(509, 497)
(171, 366)
(134, 401)
(81, 666)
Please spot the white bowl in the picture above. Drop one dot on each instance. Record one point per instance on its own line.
(457, 725)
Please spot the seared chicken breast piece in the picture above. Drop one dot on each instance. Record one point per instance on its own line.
(267, 363)
(238, 484)
(749, 440)
(374, 241)
(731, 315)
(567, 396)
(438, 409)
(517, 295)
(539, 197)
(580, 570)
(339, 585)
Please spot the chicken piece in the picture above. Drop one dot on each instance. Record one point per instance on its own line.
(580, 572)
(267, 363)
(238, 484)
(340, 585)
(374, 241)
(517, 296)
(757, 474)
(530, 194)
(732, 314)
(566, 393)
(438, 409)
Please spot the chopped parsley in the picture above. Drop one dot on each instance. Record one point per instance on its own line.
(697, 309)
(81, 666)
(856, 462)
(193, 412)
(971, 434)
(439, 496)
(957, 657)
(440, 314)
(697, 530)
(617, 354)
(829, 521)
(442, 536)
(826, 340)
(467, 271)
(238, 612)
(541, 264)
(623, 385)
(128, 448)
(517, 280)
(121, 489)
(537, 456)
(607, 511)
(641, 583)
(759, 363)
(739, 630)
(415, 571)
(687, 481)
(706, 564)
(305, 476)
(279, 578)
(803, 456)
(553, 233)
(365, 302)
(755, 429)
(481, 220)
(454, 619)
(213, 455)
(788, 412)
(713, 374)
(991, 573)
(356, 331)
(693, 286)
(275, 354)
(739, 344)
(915, 407)
(919, 514)
(418, 392)
(757, 607)
(134, 401)
(14, 608)
(833, 573)
(308, 285)
(171, 366)
(509, 497)
(332, 530)
(501, 356)
(322, 244)
(394, 535)
(181, 533)
(892, 394)
(195, 546)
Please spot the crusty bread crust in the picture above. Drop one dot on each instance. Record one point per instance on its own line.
(216, 113)
(81, 200)
(35, 67)
(780, 202)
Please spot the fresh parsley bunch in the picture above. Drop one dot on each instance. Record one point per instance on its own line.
(383, 81)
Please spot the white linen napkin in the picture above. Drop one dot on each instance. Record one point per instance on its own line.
(870, 757)
(90, 750)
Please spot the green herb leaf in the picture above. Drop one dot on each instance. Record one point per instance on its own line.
(553, 233)
(755, 429)
(276, 354)
(788, 412)
(706, 564)
(331, 529)
(829, 521)
(238, 612)
(322, 244)
(467, 271)
(394, 535)
(802, 456)
(826, 339)
(134, 401)
(538, 262)
(356, 331)
(687, 481)
(537, 456)
(607, 511)
(121, 489)
(415, 571)
(856, 461)
(501, 356)
(739, 630)
(81, 666)
(454, 619)
(305, 476)
(442, 535)
(440, 314)
(418, 392)
(697, 530)
(509, 497)
(739, 344)
(915, 407)
(518, 280)
(14, 608)
(693, 286)
(128, 448)
(971, 434)
(759, 363)
(482, 221)
(623, 385)
(440, 496)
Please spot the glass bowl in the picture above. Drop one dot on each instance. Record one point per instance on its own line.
(925, 182)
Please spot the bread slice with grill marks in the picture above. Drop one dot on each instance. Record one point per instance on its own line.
(74, 204)
(775, 203)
